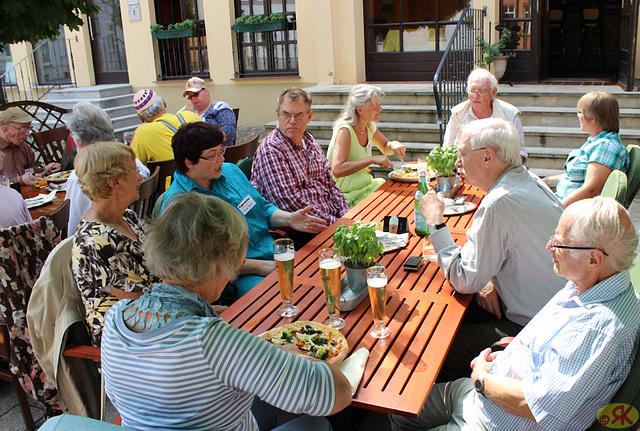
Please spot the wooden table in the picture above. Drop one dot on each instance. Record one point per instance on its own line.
(422, 312)
(46, 209)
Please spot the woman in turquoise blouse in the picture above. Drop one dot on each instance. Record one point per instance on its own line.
(354, 135)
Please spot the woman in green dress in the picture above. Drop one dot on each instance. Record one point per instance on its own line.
(354, 135)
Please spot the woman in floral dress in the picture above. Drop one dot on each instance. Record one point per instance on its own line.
(108, 249)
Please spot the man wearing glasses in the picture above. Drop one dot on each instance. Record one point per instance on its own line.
(211, 111)
(504, 260)
(573, 356)
(482, 88)
(15, 127)
(290, 169)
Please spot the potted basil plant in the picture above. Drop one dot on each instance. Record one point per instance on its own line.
(442, 161)
(360, 248)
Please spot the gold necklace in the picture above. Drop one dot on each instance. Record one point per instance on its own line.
(362, 133)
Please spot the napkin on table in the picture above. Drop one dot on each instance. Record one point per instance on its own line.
(353, 367)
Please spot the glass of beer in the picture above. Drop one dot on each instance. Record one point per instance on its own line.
(377, 283)
(283, 254)
(330, 263)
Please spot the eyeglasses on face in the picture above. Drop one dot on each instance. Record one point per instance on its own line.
(480, 91)
(21, 129)
(286, 116)
(461, 155)
(214, 155)
(554, 245)
(192, 95)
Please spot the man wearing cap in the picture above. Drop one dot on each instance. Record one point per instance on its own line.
(211, 111)
(152, 140)
(15, 126)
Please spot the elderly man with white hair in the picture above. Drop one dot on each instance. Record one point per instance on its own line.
(87, 124)
(503, 260)
(152, 140)
(573, 356)
(482, 88)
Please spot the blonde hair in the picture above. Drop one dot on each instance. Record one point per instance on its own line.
(603, 107)
(100, 162)
(198, 238)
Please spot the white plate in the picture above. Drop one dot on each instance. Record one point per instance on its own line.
(463, 208)
(40, 200)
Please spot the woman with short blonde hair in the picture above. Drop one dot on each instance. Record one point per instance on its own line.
(107, 258)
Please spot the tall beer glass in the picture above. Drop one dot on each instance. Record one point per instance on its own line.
(329, 260)
(377, 283)
(283, 254)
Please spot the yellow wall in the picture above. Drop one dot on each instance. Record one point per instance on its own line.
(80, 43)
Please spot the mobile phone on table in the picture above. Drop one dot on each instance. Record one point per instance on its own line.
(413, 263)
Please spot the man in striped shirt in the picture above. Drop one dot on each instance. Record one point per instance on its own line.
(503, 261)
(573, 356)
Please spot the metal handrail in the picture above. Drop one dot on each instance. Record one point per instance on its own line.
(23, 79)
(462, 55)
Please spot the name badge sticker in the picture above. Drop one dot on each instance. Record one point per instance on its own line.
(246, 205)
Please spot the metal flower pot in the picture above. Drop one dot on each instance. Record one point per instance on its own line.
(445, 184)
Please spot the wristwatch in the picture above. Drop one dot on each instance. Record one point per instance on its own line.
(479, 383)
(435, 227)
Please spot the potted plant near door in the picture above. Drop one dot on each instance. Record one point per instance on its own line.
(442, 161)
(500, 52)
(360, 248)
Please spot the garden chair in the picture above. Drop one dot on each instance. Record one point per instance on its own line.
(616, 186)
(144, 205)
(633, 173)
(167, 169)
(242, 151)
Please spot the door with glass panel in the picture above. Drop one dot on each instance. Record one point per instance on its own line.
(107, 44)
(405, 39)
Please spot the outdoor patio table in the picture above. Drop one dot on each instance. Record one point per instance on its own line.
(46, 209)
(422, 312)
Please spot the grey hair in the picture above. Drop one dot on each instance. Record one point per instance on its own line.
(483, 75)
(153, 109)
(198, 238)
(293, 94)
(497, 134)
(360, 95)
(602, 222)
(90, 123)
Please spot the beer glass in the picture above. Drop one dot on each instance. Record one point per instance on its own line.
(329, 260)
(283, 254)
(377, 283)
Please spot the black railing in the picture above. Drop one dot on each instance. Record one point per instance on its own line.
(46, 67)
(463, 54)
(183, 57)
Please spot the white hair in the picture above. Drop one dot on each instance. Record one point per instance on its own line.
(482, 75)
(602, 222)
(153, 109)
(497, 134)
(90, 123)
(360, 95)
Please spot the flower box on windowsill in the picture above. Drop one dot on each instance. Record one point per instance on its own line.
(175, 34)
(260, 26)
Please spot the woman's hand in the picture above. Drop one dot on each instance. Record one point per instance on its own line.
(301, 220)
(398, 149)
(382, 161)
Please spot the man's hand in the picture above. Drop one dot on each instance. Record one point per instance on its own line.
(302, 221)
(258, 267)
(432, 207)
(483, 362)
(398, 149)
(489, 299)
(51, 168)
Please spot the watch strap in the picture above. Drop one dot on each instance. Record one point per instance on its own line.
(435, 227)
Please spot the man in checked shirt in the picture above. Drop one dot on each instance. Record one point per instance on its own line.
(291, 171)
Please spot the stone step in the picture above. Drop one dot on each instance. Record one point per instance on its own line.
(91, 93)
(104, 103)
(125, 122)
(531, 116)
(121, 111)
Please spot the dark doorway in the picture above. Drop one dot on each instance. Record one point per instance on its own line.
(405, 39)
(107, 44)
(522, 17)
(581, 39)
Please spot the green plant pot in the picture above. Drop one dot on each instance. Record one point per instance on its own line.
(261, 26)
(175, 34)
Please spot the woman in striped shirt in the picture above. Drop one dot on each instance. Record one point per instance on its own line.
(170, 362)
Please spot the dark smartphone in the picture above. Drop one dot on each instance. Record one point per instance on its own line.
(413, 263)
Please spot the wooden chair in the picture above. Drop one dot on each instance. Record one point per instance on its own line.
(52, 144)
(45, 117)
(144, 205)
(616, 186)
(167, 169)
(236, 112)
(633, 173)
(60, 218)
(241, 151)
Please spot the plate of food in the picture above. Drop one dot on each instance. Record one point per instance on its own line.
(405, 174)
(40, 200)
(312, 339)
(60, 177)
(458, 209)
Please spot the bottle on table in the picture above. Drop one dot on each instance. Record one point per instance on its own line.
(420, 224)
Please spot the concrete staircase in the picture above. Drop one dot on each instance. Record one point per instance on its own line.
(115, 99)
(549, 118)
